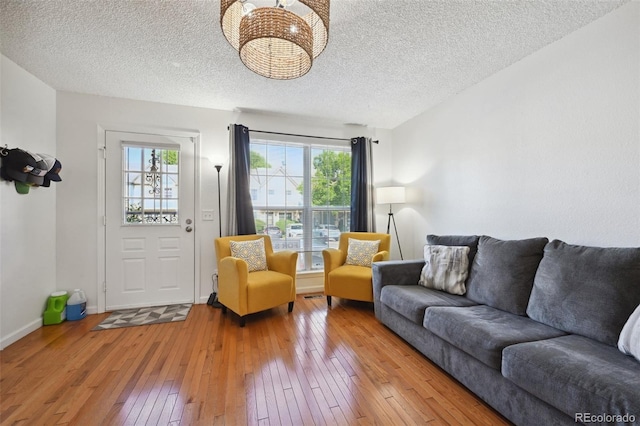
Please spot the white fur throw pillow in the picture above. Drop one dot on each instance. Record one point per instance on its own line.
(446, 268)
(629, 341)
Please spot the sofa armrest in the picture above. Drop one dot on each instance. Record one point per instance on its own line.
(394, 272)
(397, 272)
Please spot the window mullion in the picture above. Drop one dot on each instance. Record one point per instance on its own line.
(307, 216)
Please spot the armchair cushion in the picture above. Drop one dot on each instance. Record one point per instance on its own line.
(251, 252)
(361, 252)
(268, 289)
(352, 282)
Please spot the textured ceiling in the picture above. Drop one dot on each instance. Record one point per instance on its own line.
(386, 61)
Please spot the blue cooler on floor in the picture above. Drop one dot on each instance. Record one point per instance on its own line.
(77, 306)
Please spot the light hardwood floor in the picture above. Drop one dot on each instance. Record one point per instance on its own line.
(314, 366)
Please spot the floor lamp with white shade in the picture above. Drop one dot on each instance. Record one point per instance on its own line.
(391, 195)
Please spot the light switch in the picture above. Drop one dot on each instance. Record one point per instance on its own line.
(207, 214)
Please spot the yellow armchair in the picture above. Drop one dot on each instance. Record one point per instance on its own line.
(351, 281)
(247, 292)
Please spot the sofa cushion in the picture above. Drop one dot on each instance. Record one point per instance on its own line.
(470, 241)
(576, 375)
(589, 291)
(483, 332)
(411, 300)
(503, 271)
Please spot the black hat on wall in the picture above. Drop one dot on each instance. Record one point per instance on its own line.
(17, 165)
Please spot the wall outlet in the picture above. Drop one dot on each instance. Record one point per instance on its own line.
(207, 214)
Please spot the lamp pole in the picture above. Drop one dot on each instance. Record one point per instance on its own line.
(213, 297)
(218, 167)
(392, 218)
(392, 195)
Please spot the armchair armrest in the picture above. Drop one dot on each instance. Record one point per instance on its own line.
(332, 259)
(232, 284)
(284, 261)
(380, 256)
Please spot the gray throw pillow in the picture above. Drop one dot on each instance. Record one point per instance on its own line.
(470, 241)
(445, 268)
(503, 271)
(590, 291)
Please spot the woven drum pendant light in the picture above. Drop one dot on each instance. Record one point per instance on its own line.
(275, 41)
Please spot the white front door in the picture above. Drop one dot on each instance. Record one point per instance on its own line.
(149, 188)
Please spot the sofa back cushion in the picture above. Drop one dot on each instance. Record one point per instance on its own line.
(503, 271)
(590, 291)
(470, 241)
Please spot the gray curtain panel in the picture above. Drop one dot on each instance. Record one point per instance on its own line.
(240, 219)
(362, 219)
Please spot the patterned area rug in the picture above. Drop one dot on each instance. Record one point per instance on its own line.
(144, 316)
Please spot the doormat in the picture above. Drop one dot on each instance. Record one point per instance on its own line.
(144, 316)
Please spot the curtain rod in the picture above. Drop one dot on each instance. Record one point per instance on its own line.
(301, 136)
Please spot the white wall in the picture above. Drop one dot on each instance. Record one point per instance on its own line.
(547, 147)
(78, 220)
(27, 222)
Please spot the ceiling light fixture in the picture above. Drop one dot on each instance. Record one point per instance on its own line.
(279, 41)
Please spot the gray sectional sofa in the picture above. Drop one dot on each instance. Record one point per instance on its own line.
(535, 334)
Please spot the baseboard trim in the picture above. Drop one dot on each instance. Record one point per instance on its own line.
(20, 333)
(310, 289)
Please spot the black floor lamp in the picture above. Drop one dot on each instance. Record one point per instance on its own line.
(391, 195)
(213, 297)
(218, 167)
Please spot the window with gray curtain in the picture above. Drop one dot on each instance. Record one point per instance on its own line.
(301, 194)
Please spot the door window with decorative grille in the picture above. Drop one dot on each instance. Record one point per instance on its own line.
(151, 190)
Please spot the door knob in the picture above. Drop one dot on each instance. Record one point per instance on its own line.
(188, 229)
